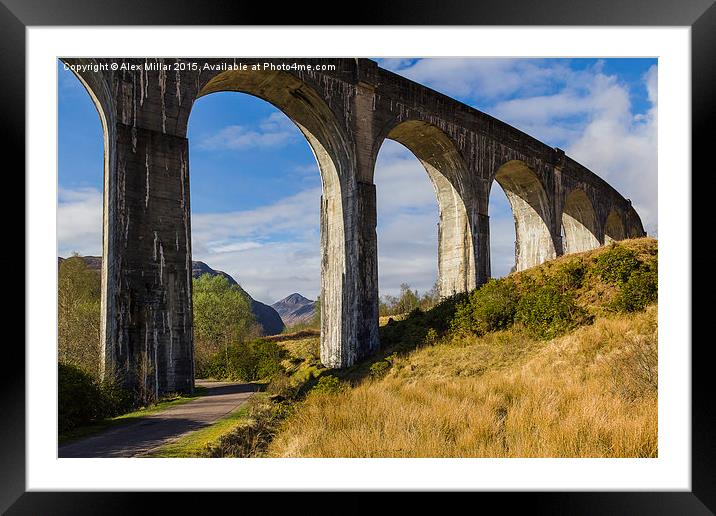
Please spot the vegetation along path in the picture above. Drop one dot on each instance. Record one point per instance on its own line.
(145, 434)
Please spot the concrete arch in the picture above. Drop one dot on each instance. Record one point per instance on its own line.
(613, 228)
(294, 97)
(446, 169)
(303, 106)
(579, 223)
(531, 211)
(98, 91)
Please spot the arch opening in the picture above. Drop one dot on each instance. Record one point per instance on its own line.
(304, 108)
(613, 228)
(83, 180)
(531, 213)
(579, 223)
(447, 173)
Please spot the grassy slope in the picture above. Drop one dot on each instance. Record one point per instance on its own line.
(590, 393)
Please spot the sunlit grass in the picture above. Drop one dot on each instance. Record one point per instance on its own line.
(194, 444)
(591, 393)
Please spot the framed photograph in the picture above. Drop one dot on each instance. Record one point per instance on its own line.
(418, 252)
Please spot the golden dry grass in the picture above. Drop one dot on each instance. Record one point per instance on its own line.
(591, 393)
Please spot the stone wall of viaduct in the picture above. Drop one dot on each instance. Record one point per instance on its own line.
(345, 114)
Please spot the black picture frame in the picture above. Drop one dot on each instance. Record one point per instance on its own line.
(700, 15)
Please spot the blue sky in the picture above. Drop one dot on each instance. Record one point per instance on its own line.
(255, 186)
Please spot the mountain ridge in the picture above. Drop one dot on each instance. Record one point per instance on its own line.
(295, 309)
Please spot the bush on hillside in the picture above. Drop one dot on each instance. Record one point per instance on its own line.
(547, 311)
(491, 307)
(328, 385)
(571, 275)
(637, 280)
(638, 291)
(547, 302)
(616, 264)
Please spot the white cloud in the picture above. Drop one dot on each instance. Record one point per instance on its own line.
(79, 221)
(274, 131)
(402, 183)
(407, 221)
(622, 147)
(273, 270)
(272, 250)
(235, 247)
(483, 78)
(289, 217)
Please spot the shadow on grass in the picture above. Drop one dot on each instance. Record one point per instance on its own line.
(397, 337)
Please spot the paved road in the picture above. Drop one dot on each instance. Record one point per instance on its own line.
(145, 434)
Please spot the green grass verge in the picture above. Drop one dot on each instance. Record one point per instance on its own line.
(85, 431)
(194, 444)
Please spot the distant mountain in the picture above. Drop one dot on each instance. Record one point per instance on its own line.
(295, 309)
(266, 316)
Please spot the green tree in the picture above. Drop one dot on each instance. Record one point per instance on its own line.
(78, 315)
(408, 300)
(386, 305)
(430, 298)
(316, 320)
(222, 317)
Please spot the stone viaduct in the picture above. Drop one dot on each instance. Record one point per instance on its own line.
(345, 108)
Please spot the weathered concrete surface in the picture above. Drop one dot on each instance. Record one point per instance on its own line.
(148, 433)
(345, 113)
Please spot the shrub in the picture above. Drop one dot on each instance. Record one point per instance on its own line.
(413, 331)
(616, 265)
(281, 385)
(328, 385)
(431, 337)
(77, 395)
(546, 311)
(82, 400)
(268, 357)
(379, 369)
(489, 308)
(570, 276)
(637, 281)
(638, 291)
(114, 399)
